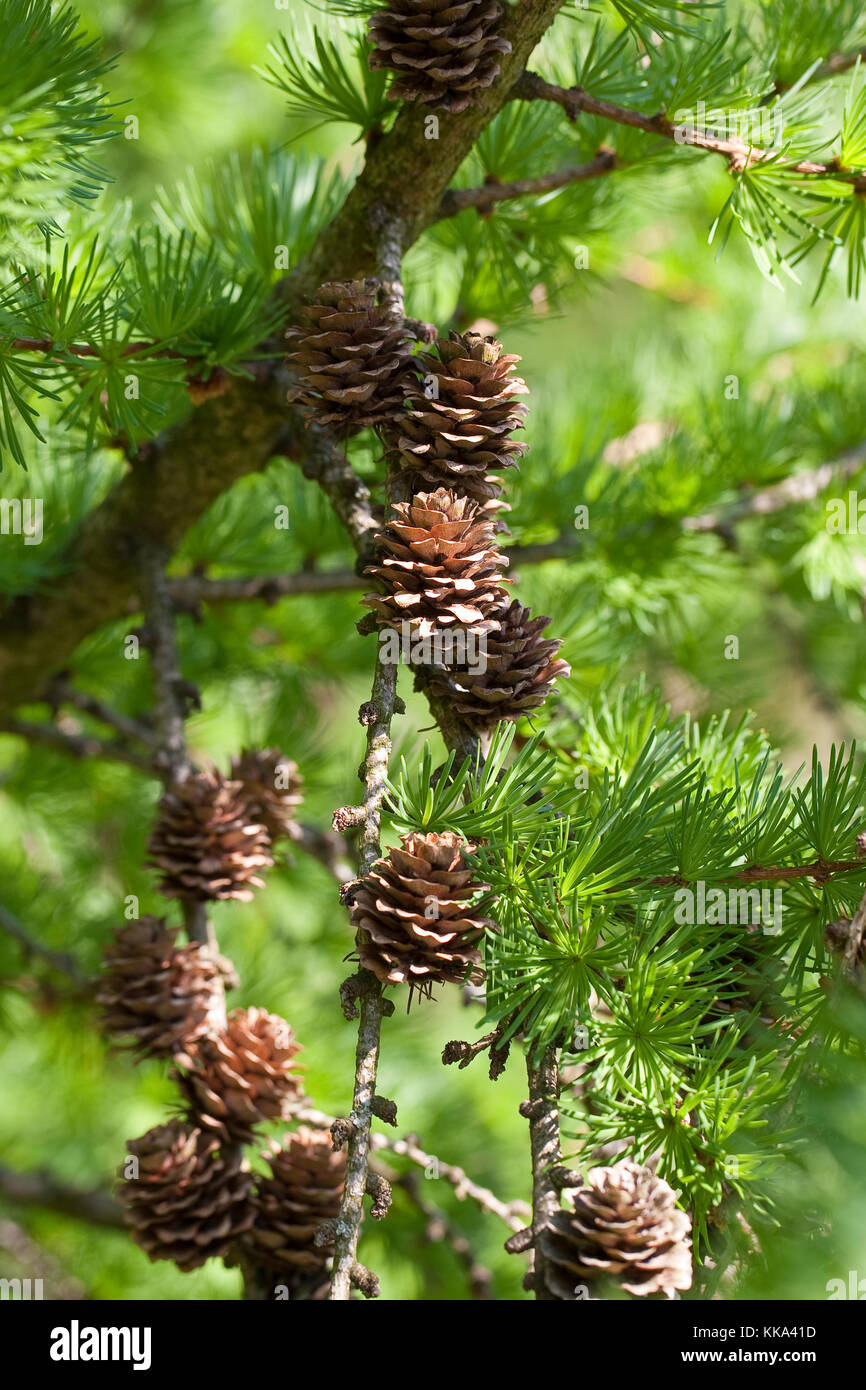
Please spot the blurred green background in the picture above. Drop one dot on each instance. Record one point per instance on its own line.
(651, 331)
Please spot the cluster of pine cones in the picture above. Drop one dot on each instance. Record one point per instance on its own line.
(188, 1192)
(445, 420)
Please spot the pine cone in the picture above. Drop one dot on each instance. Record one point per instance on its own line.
(411, 910)
(274, 788)
(445, 54)
(159, 995)
(207, 841)
(519, 671)
(458, 434)
(441, 567)
(190, 1199)
(624, 1226)
(304, 1189)
(351, 357)
(244, 1075)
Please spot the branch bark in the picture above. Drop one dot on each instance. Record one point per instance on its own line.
(739, 153)
(542, 1111)
(366, 989)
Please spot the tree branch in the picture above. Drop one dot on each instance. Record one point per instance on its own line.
(542, 1111)
(58, 960)
(492, 191)
(42, 1189)
(514, 1214)
(192, 589)
(366, 988)
(739, 153)
(78, 745)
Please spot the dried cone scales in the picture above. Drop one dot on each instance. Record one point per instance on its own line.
(303, 1189)
(412, 914)
(441, 566)
(207, 842)
(624, 1226)
(445, 54)
(157, 994)
(244, 1075)
(189, 1200)
(351, 358)
(274, 787)
(520, 667)
(460, 416)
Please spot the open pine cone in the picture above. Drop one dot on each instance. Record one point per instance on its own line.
(207, 841)
(351, 358)
(243, 1076)
(274, 787)
(157, 994)
(456, 432)
(445, 54)
(520, 670)
(441, 566)
(189, 1200)
(624, 1227)
(303, 1190)
(412, 914)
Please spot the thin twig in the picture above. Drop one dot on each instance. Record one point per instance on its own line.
(325, 846)
(58, 960)
(161, 639)
(514, 1214)
(66, 694)
(740, 154)
(194, 589)
(42, 1189)
(366, 989)
(492, 191)
(78, 745)
(439, 1227)
(542, 1111)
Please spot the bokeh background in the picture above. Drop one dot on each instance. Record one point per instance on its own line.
(647, 334)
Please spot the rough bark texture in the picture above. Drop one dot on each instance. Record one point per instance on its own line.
(542, 1111)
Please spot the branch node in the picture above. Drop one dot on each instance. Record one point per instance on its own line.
(347, 817)
(520, 1241)
(341, 1132)
(379, 1189)
(368, 714)
(364, 1280)
(384, 1109)
(325, 1235)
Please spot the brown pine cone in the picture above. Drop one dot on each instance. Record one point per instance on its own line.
(207, 841)
(441, 567)
(520, 670)
(189, 1199)
(625, 1229)
(413, 916)
(445, 54)
(461, 413)
(303, 1190)
(243, 1076)
(156, 994)
(351, 358)
(274, 787)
